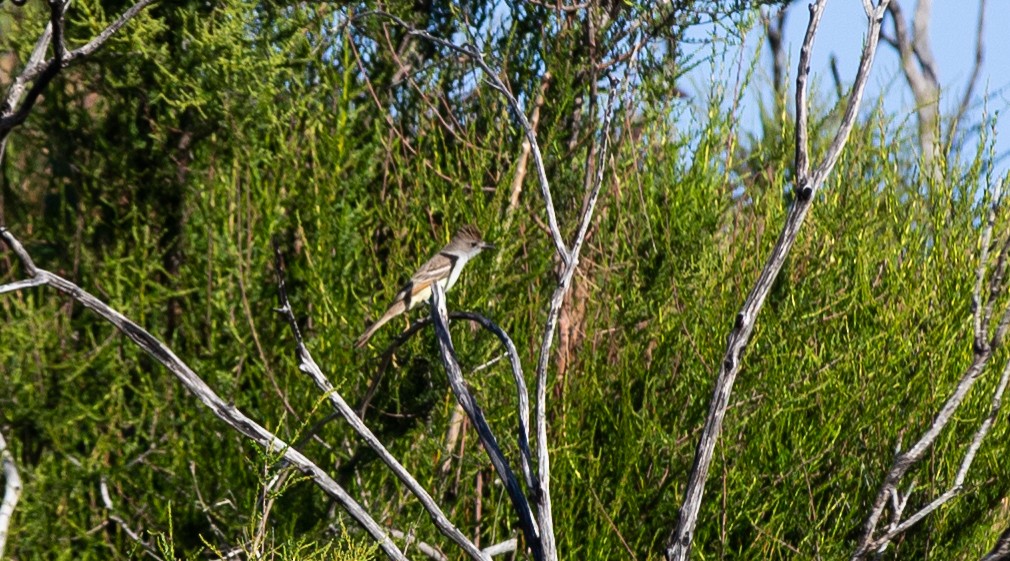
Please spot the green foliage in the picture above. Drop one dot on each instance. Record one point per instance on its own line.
(212, 128)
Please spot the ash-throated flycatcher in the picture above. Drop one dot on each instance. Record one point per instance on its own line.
(443, 268)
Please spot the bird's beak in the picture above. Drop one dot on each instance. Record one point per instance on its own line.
(485, 245)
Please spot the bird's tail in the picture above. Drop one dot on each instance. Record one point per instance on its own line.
(393, 311)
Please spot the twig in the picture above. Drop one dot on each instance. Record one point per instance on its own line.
(434, 553)
(309, 366)
(410, 540)
(218, 406)
(807, 184)
(495, 81)
(976, 71)
(519, 502)
(12, 492)
(39, 73)
(103, 488)
(506, 546)
(613, 527)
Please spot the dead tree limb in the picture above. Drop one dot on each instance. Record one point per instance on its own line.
(38, 72)
(12, 492)
(218, 406)
(986, 339)
(807, 183)
(520, 503)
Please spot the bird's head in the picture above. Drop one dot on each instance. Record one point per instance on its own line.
(468, 240)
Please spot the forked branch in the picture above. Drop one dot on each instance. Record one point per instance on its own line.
(986, 339)
(39, 72)
(807, 184)
(520, 503)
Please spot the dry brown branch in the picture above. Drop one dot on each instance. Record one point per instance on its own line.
(807, 183)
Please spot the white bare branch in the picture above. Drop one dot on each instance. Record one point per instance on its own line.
(20, 98)
(986, 340)
(12, 492)
(807, 184)
(218, 406)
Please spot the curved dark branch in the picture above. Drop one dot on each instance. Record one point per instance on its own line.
(469, 404)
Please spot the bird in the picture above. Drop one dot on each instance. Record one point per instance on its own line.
(444, 268)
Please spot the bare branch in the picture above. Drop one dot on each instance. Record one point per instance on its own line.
(12, 492)
(32, 67)
(495, 81)
(222, 409)
(463, 396)
(976, 72)
(522, 394)
(802, 75)
(103, 488)
(100, 39)
(434, 553)
(409, 540)
(309, 366)
(18, 104)
(955, 489)
(983, 351)
(506, 546)
(807, 184)
(544, 510)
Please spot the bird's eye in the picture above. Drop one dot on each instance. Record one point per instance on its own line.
(473, 244)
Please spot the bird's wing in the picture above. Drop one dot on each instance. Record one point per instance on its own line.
(436, 269)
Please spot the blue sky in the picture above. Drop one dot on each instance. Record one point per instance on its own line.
(952, 31)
